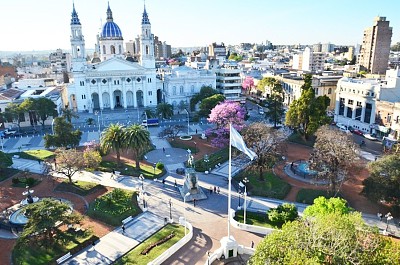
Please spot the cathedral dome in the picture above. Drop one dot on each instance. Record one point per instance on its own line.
(111, 29)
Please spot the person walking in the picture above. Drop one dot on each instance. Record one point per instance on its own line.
(211, 189)
(163, 182)
(194, 202)
(215, 189)
(218, 190)
(252, 244)
(175, 185)
(123, 229)
(163, 149)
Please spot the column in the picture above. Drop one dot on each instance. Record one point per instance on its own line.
(124, 93)
(99, 93)
(111, 93)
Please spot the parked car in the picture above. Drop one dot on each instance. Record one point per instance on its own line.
(370, 137)
(358, 132)
(180, 171)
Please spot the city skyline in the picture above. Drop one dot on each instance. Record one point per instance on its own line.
(45, 24)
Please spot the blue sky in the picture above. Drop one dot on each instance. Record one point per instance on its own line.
(44, 24)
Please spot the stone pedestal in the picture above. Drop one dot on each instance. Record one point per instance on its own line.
(191, 187)
(229, 247)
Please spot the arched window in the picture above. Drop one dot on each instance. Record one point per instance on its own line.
(147, 49)
(112, 49)
(104, 49)
(181, 90)
(174, 90)
(329, 91)
(120, 49)
(192, 89)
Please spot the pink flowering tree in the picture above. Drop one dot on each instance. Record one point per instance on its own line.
(222, 115)
(248, 83)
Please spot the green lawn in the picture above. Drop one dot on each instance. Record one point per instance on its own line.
(6, 173)
(134, 256)
(82, 188)
(22, 184)
(186, 146)
(299, 139)
(307, 196)
(252, 218)
(35, 154)
(114, 207)
(272, 186)
(220, 156)
(130, 169)
(37, 255)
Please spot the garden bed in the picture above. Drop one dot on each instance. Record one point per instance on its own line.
(82, 188)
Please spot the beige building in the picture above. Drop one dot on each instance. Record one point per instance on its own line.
(375, 48)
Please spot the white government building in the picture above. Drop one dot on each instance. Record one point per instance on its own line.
(110, 81)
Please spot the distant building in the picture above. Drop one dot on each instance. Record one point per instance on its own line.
(309, 61)
(217, 51)
(60, 61)
(375, 48)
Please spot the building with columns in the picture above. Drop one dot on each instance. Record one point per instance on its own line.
(113, 82)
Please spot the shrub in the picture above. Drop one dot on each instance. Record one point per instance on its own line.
(30, 182)
(160, 166)
(15, 180)
(283, 213)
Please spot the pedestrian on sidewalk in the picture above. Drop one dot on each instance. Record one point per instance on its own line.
(215, 189)
(194, 202)
(163, 182)
(196, 131)
(218, 190)
(113, 174)
(175, 184)
(163, 149)
(123, 229)
(380, 216)
(252, 244)
(211, 189)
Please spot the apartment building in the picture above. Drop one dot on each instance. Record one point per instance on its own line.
(375, 48)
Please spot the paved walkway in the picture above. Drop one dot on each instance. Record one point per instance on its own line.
(116, 243)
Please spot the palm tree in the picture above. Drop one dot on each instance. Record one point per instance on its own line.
(165, 109)
(68, 114)
(137, 138)
(112, 138)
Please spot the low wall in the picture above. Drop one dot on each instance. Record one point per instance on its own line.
(250, 228)
(172, 250)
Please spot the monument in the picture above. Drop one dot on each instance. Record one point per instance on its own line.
(191, 185)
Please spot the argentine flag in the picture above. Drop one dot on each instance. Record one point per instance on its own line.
(238, 142)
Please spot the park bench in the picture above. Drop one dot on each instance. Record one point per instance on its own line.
(126, 220)
(64, 258)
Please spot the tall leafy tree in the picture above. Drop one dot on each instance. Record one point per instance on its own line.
(267, 143)
(68, 114)
(209, 103)
(112, 139)
(150, 113)
(5, 160)
(205, 92)
(248, 83)
(323, 206)
(333, 156)
(384, 180)
(14, 112)
(138, 140)
(308, 113)
(165, 110)
(225, 113)
(43, 217)
(275, 100)
(44, 107)
(63, 136)
(68, 162)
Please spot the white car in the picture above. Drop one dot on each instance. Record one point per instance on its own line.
(370, 137)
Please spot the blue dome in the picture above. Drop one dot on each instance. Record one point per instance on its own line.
(111, 31)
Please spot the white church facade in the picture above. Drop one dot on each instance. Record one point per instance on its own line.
(110, 81)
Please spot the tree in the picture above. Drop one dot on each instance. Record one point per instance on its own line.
(91, 158)
(333, 155)
(150, 113)
(63, 136)
(182, 105)
(68, 114)
(112, 138)
(323, 206)
(274, 100)
(395, 47)
(165, 110)
(69, 161)
(5, 161)
(171, 131)
(384, 180)
(267, 143)
(209, 103)
(138, 139)
(225, 113)
(286, 212)
(308, 113)
(235, 57)
(248, 83)
(205, 92)
(14, 112)
(43, 219)
(329, 239)
(44, 107)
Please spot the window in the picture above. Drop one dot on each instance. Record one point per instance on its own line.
(93, 81)
(82, 83)
(147, 49)
(150, 93)
(104, 49)
(350, 102)
(104, 81)
(112, 49)
(192, 89)
(174, 90)
(388, 118)
(119, 49)
(181, 90)
(83, 96)
(128, 80)
(329, 91)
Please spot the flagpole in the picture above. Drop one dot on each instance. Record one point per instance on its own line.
(229, 180)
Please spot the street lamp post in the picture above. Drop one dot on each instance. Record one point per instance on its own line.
(170, 210)
(142, 179)
(206, 160)
(239, 195)
(147, 124)
(195, 147)
(154, 168)
(187, 112)
(184, 204)
(98, 119)
(52, 126)
(243, 184)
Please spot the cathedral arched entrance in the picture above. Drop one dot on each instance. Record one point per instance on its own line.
(73, 102)
(129, 99)
(118, 99)
(159, 96)
(106, 100)
(139, 98)
(95, 101)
